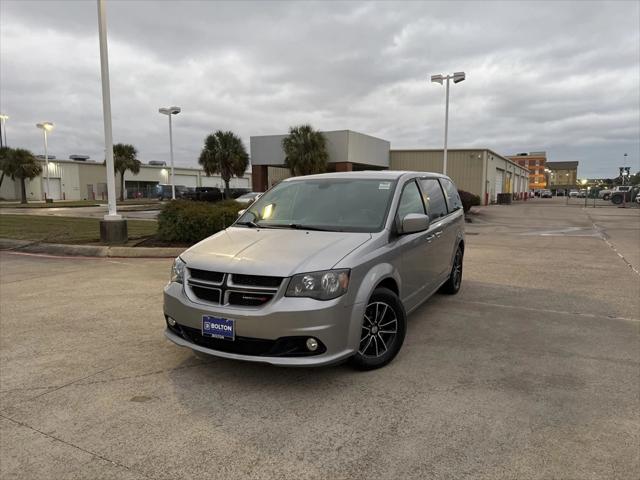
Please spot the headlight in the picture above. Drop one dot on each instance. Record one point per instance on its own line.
(177, 270)
(319, 285)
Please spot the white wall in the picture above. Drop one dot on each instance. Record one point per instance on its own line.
(75, 176)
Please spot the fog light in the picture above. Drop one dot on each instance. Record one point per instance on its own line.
(171, 321)
(312, 344)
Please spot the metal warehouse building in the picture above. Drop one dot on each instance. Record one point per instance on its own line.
(480, 171)
(87, 180)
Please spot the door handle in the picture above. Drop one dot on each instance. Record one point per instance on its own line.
(437, 234)
(430, 238)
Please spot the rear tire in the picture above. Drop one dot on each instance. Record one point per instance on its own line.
(383, 330)
(453, 284)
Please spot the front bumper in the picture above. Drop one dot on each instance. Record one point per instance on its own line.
(334, 323)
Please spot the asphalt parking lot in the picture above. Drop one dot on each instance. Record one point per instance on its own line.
(532, 371)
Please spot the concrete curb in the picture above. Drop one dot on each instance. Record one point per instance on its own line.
(88, 250)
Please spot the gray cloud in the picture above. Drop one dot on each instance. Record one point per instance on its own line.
(562, 77)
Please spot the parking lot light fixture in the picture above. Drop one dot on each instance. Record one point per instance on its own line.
(46, 127)
(169, 111)
(457, 77)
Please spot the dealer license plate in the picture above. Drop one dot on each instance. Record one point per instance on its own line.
(217, 327)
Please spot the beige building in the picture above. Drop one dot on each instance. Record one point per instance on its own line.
(562, 175)
(87, 180)
(480, 171)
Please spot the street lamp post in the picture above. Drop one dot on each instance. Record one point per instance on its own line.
(168, 111)
(3, 119)
(46, 127)
(113, 228)
(457, 78)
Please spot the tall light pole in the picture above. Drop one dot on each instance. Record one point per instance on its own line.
(457, 78)
(46, 127)
(113, 228)
(168, 111)
(3, 119)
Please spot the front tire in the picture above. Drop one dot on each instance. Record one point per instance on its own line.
(616, 200)
(453, 284)
(383, 330)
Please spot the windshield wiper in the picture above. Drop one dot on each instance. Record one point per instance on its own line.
(249, 224)
(298, 226)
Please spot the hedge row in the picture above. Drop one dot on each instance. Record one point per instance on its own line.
(183, 221)
(468, 200)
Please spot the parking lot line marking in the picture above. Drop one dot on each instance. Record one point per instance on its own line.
(543, 310)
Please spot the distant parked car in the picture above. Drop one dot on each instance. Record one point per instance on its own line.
(545, 194)
(206, 194)
(573, 193)
(164, 191)
(582, 194)
(238, 192)
(248, 198)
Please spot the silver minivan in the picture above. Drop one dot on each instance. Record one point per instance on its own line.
(320, 269)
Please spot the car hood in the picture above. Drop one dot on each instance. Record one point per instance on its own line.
(274, 252)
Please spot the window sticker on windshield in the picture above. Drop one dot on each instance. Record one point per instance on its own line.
(384, 186)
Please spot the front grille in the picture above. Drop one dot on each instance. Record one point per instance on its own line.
(260, 281)
(259, 347)
(240, 290)
(207, 276)
(211, 295)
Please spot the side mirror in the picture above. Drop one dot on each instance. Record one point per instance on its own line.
(414, 222)
(241, 212)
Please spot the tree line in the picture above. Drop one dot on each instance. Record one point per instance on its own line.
(223, 153)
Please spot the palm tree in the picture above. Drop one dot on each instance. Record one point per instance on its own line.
(224, 153)
(125, 158)
(305, 150)
(5, 153)
(19, 163)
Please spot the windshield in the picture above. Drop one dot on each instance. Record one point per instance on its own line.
(344, 205)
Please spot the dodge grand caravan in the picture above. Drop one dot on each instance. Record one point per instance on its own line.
(320, 269)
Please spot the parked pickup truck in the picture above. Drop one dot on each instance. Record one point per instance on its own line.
(606, 193)
(624, 194)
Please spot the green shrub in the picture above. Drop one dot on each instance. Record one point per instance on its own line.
(184, 221)
(468, 200)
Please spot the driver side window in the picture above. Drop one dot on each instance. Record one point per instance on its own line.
(410, 201)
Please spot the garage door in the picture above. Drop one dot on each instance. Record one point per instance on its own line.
(55, 188)
(499, 182)
(508, 184)
(186, 180)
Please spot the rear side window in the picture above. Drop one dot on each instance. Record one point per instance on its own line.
(434, 198)
(410, 201)
(451, 192)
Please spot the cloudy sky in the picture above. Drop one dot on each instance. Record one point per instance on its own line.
(557, 76)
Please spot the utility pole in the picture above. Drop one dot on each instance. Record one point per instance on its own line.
(113, 228)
